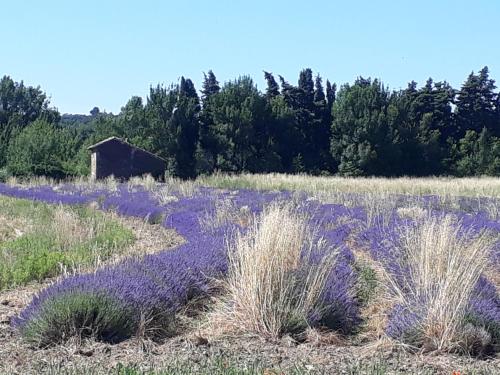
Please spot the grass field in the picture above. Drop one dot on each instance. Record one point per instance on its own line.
(39, 241)
(281, 274)
(442, 186)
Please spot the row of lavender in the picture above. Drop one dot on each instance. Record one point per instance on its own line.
(116, 302)
(146, 294)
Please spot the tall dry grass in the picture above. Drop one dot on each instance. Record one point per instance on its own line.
(442, 262)
(443, 186)
(225, 210)
(272, 285)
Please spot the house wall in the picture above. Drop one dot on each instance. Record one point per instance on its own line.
(123, 161)
(93, 165)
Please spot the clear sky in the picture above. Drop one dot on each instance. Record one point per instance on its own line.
(100, 53)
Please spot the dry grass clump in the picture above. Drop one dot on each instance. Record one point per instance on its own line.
(12, 228)
(185, 188)
(109, 183)
(442, 263)
(413, 212)
(272, 286)
(69, 228)
(225, 211)
(164, 195)
(147, 181)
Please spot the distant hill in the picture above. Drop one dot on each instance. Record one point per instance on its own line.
(70, 120)
(75, 120)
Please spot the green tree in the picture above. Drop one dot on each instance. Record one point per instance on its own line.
(38, 149)
(477, 154)
(476, 105)
(19, 106)
(362, 137)
(240, 128)
(210, 85)
(206, 149)
(173, 125)
(423, 123)
(132, 124)
(273, 89)
(310, 127)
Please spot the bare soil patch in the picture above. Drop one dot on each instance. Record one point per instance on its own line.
(244, 351)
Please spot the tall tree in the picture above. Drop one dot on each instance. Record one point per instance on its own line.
(37, 150)
(476, 104)
(210, 85)
(19, 106)
(424, 125)
(273, 89)
(331, 91)
(311, 125)
(185, 121)
(206, 148)
(362, 139)
(240, 128)
(477, 154)
(306, 84)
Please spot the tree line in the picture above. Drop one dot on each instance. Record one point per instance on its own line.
(358, 129)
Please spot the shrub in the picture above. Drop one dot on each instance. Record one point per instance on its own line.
(80, 315)
(4, 174)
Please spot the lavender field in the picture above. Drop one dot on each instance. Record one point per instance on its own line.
(361, 271)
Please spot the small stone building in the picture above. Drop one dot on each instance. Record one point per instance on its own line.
(114, 156)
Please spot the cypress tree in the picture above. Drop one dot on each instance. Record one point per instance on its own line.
(475, 104)
(273, 88)
(210, 85)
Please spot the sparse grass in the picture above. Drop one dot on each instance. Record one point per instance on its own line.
(367, 283)
(220, 365)
(442, 263)
(45, 240)
(209, 367)
(272, 286)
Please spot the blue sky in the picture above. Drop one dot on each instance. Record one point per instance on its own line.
(100, 53)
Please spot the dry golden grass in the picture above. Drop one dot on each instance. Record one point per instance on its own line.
(443, 186)
(69, 228)
(225, 211)
(444, 263)
(374, 313)
(265, 292)
(11, 228)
